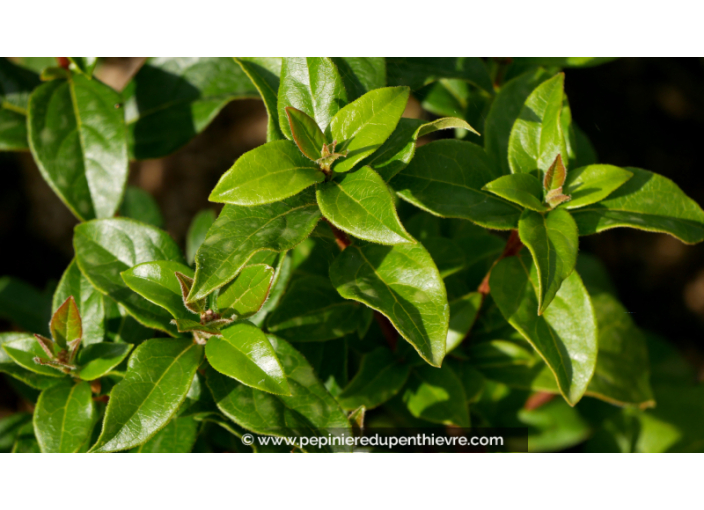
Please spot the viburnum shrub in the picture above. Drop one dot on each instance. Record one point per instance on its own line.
(354, 276)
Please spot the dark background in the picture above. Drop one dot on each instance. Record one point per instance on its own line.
(647, 113)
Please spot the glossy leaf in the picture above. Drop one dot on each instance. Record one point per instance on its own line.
(171, 99)
(379, 378)
(139, 205)
(437, 395)
(11, 368)
(306, 133)
(23, 350)
(244, 353)
(178, 436)
(311, 310)
(590, 184)
(446, 178)
(77, 138)
(537, 138)
(264, 73)
(504, 112)
(312, 85)
(240, 232)
(522, 189)
(197, 232)
(360, 204)
(64, 417)
(65, 324)
(363, 126)
(553, 242)
(84, 65)
(361, 74)
(16, 84)
(419, 71)
(649, 202)
(402, 283)
(157, 282)
(309, 411)
(565, 335)
(269, 173)
(96, 360)
(246, 294)
(159, 374)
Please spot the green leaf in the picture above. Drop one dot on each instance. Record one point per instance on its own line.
(65, 324)
(522, 189)
(264, 73)
(379, 378)
(537, 138)
(309, 411)
(361, 74)
(244, 353)
(554, 427)
(360, 204)
(96, 360)
(504, 112)
(77, 137)
(188, 325)
(16, 84)
(139, 205)
(83, 65)
(22, 304)
(329, 361)
(10, 427)
(197, 232)
(311, 310)
(402, 283)
(447, 255)
(178, 436)
(26, 441)
(246, 294)
(553, 242)
(446, 178)
(649, 202)
(463, 313)
(306, 133)
(593, 183)
(159, 374)
(565, 335)
(269, 173)
(23, 350)
(171, 99)
(417, 72)
(399, 149)
(64, 417)
(564, 61)
(363, 126)
(157, 282)
(240, 232)
(106, 248)
(437, 395)
(312, 85)
(28, 377)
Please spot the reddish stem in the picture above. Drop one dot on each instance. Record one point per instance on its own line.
(340, 237)
(63, 62)
(537, 400)
(512, 248)
(387, 329)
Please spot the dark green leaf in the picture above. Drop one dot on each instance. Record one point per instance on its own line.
(16, 84)
(537, 138)
(244, 353)
(649, 202)
(246, 294)
(554, 427)
(178, 436)
(565, 335)
(158, 377)
(240, 232)
(10, 427)
(564, 61)
(447, 255)
(363, 126)
(65, 324)
(171, 99)
(83, 65)
(139, 205)
(264, 73)
(311, 310)
(446, 178)
(361, 74)
(23, 350)
(312, 85)
(329, 361)
(96, 360)
(419, 71)
(463, 313)
(522, 189)
(437, 395)
(26, 442)
(197, 232)
(380, 377)
(360, 204)
(553, 242)
(402, 283)
(306, 133)
(157, 282)
(64, 417)
(22, 304)
(309, 411)
(77, 137)
(106, 248)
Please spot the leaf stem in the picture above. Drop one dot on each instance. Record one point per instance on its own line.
(63, 62)
(340, 237)
(513, 246)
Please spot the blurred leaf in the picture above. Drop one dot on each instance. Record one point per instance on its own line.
(437, 395)
(264, 73)
(197, 232)
(22, 304)
(178, 436)
(138, 204)
(554, 426)
(83, 65)
(380, 377)
(16, 84)
(419, 71)
(361, 74)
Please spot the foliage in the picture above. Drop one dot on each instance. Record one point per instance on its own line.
(357, 271)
